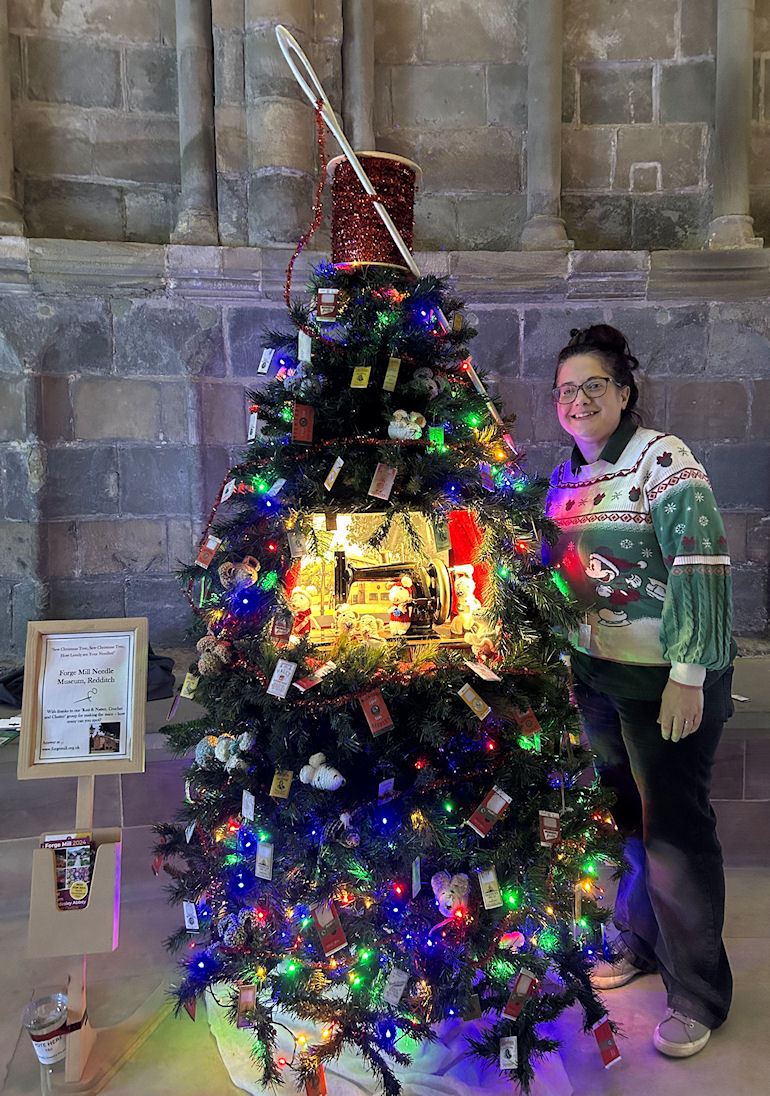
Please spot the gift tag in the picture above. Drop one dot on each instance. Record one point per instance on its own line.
(525, 986)
(281, 680)
(247, 999)
(277, 486)
(605, 1041)
(487, 481)
(263, 868)
(327, 304)
(297, 543)
(189, 831)
(319, 674)
(253, 430)
(382, 481)
(441, 534)
(228, 490)
(482, 670)
(282, 624)
(550, 828)
(248, 805)
(490, 888)
(473, 1008)
(478, 706)
(266, 360)
(376, 712)
(393, 989)
(360, 378)
(189, 685)
(385, 790)
(457, 321)
(207, 550)
(391, 374)
(416, 876)
(329, 928)
(491, 809)
(584, 636)
(436, 435)
(304, 347)
(509, 1052)
(334, 471)
(281, 784)
(315, 1083)
(526, 720)
(302, 423)
(190, 917)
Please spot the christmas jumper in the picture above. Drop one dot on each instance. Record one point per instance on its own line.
(643, 550)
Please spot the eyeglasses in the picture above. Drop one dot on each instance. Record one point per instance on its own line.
(593, 387)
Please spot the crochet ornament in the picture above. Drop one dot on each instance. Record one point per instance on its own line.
(343, 832)
(451, 891)
(320, 775)
(225, 749)
(400, 596)
(406, 425)
(368, 630)
(300, 604)
(467, 602)
(346, 619)
(239, 576)
(214, 653)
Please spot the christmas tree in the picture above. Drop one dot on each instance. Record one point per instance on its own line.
(384, 825)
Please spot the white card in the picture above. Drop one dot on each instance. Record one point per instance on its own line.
(304, 346)
(266, 360)
(394, 988)
(264, 865)
(584, 636)
(190, 917)
(281, 680)
(253, 426)
(416, 876)
(189, 831)
(279, 483)
(228, 489)
(248, 804)
(481, 670)
(509, 1052)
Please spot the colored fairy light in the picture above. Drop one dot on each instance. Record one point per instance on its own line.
(448, 806)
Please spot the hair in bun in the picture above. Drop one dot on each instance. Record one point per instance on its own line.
(611, 347)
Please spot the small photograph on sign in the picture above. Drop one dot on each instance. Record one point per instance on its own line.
(105, 738)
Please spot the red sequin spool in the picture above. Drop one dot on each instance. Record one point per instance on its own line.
(358, 234)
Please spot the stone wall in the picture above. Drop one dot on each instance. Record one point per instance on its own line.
(122, 374)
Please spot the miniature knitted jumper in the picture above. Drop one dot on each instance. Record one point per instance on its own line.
(643, 550)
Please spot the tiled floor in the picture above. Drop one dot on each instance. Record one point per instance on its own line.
(181, 1057)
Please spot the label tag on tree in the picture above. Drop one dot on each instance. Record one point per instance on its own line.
(376, 712)
(487, 481)
(361, 376)
(278, 485)
(190, 917)
(329, 928)
(247, 999)
(478, 706)
(282, 624)
(248, 804)
(302, 423)
(281, 784)
(382, 481)
(228, 490)
(491, 809)
(385, 790)
(315, 1083)
(281, 680)
(332, 474)
(297, 543)
(436, 435)
(266, 360)
(482, 670)
(490, 888)
(263, 868)
(524, 987)
(509, 1052)
(527, 721)
(416, 876)
(189, 831)
(326, 305)
(253, 429)
(207, 550)
(457, 321)
(189, 685)
(473, 1008)
(393, 989)
(605, 1041)
(304, 347)
(319, 674)
(550, 828)
(391, 374)
(441, 534)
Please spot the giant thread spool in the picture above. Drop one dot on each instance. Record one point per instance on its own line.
(358, 233)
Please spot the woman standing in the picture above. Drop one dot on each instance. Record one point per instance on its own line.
(643, 549)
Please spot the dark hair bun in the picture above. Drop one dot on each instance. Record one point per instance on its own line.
(603, 338)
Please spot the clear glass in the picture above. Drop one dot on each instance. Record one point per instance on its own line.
(47, 1015)
(593, 387)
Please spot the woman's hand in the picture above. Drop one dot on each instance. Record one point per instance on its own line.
(681, 710)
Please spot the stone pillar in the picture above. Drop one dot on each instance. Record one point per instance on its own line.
(358, 74)
(732, 226)
(197, 220)
(544, 229)
(11, 221)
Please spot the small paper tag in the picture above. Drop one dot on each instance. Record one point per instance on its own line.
(416, 876)
(297, 543)
(487, 482)
(281, 784)
(391, 374)
(457, 321)
(441, 534)
(330, 521)
(376, 712)
(550, 828)
(326, 305)
(360, 378)
(308, 682)
(174, 706)
(481, 670)
(263, 868)
(189, 685)
(385, 790)
(304, 347)
(190, 917)
(584, 636)
(207, 550)
(509, 1052)
(228, 490)
(281, 680)
(478, 706)
(266, 360)
(253, 426)
(393, 989)
(490, 888)
(473, 1008)
(436, 435)
(491, 809)
(277, 486)
(189, 831)
(382, 481)
(302, 423)
(524, 987)
(248, 804)
(282, 624)
(526, 720)
(329, 928)
(334, 471)
(247, 999)
(605, 1041)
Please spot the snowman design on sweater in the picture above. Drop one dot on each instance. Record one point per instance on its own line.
(643, 550)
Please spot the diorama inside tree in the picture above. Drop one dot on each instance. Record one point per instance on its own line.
(385, 832)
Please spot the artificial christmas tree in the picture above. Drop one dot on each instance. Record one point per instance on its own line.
(384, 825)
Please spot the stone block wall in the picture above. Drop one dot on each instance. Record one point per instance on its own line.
(122, 405)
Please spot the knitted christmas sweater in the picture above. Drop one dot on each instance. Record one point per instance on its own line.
(643, 549)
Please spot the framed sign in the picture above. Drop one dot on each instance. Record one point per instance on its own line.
(85, 689)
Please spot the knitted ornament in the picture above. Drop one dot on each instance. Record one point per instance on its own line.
(406, 425)
(320, 775)
(300, 605)
(226, 746)
(425, 382)
(465, 595)
(241, 575)
(451, 891)
(400, 595)
(215, 654)
(481, 642)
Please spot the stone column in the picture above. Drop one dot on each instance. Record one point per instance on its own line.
(544, 229)
(197, 220)
(358, 74)
(732, 226)
(11, 221)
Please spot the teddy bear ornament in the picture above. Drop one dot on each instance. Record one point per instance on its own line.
(451, 891)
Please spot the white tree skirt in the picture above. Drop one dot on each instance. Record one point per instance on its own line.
(437, 1069)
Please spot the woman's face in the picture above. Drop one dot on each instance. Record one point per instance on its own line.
(591, 421)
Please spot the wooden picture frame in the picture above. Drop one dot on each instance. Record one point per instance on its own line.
(64, 733)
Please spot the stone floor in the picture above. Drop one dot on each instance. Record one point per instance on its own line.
(180, 1056)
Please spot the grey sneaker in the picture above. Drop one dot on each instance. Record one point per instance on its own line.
(610, 975)
(679, 1036)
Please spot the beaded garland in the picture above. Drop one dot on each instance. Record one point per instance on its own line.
(358, 235)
